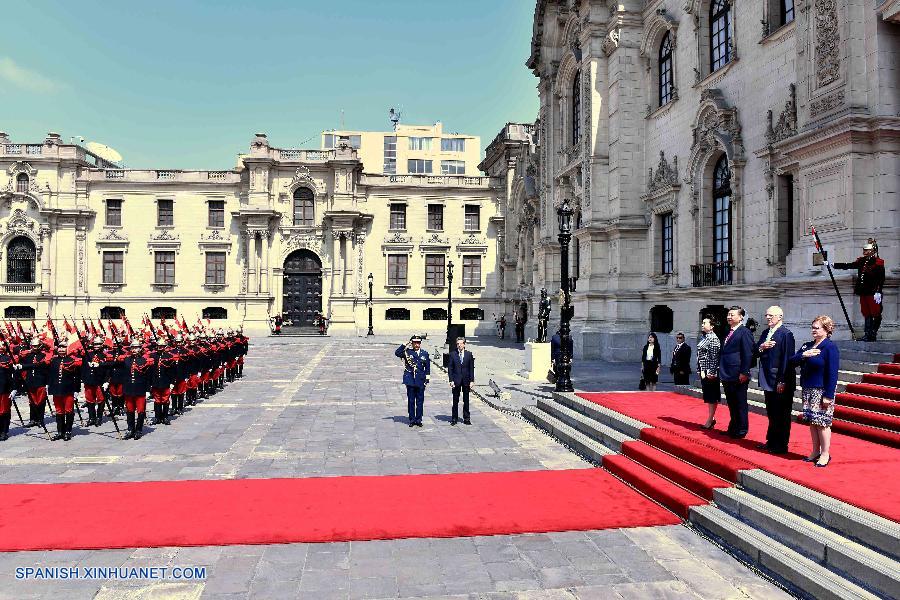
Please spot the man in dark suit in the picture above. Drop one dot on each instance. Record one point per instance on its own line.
(416, 375)
(461, 371)
(681, 361)
(734, 371)
(777, 379)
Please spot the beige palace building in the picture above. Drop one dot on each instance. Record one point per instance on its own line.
(698, 140)
(287, 231)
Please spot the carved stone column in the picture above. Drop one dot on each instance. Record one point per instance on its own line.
(45, 260)
(252, 274)
(335, 260)
(264, 271)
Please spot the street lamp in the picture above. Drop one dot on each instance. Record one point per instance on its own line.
(449, 300)
(370, 307)
(564, 369)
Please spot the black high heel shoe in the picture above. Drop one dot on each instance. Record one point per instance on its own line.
(812, 459)
(824, 464)
(711, 425)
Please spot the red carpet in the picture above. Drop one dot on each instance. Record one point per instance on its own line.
(876, 390)
(686, 475)
(861, 473)
(323, 509)
(869, 403)
(889, 368)
(660, 489)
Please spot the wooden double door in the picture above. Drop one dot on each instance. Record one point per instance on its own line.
(302, 288)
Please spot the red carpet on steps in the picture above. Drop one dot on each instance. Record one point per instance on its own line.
(889, 368)
(660, 489)
(876, 390)
(322, 509)
(868, 403)
(861, 473)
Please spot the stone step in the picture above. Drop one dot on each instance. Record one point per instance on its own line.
(566, 434)
(859, 366)
(863, 566)
(881, 347)
(804, 577)
(851, 522)
(617, 421)
(592, 428)
(867, 356)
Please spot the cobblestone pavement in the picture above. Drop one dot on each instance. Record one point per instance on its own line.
(314, 407)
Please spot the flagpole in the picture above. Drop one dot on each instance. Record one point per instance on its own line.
(833, 282)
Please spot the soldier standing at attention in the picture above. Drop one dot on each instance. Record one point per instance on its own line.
(63, 385)
(869, 283)
(117, 376)
(161, 380)
(93, 376)
(35, 364)
(7, 386)
(181, 374)
(416, 375)
(137, 370)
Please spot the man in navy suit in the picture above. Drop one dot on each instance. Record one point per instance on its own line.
(416, 375)
(734, 371)
(777, 379)
(462, 375)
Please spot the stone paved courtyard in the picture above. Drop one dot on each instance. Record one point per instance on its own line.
(332, 407)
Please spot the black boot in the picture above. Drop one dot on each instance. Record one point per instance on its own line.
(139, 426)
(876, 323)
(4, 426)
(69, 422)
(165, 413)
(60, 427)
(129, 416)
(99, 415)
(32, 416)
(157, 414)
(92, 413)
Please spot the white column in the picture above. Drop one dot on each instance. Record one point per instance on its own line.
(335, 260)
(345, 247)
(252, 275)
(265, 272)
(45, 259)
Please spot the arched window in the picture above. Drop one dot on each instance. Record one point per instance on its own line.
(303, 207)
(787, 11)
(22, 183)
(719, 34)
(665, 70)
(20, 259)
(576, 108)
(722, 211)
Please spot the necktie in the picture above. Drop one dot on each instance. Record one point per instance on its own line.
(460, 357)
(728, 337)
(771, 334)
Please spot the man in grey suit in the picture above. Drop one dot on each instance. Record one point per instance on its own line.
(777, 379)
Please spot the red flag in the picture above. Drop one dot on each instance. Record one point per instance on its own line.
(184, 326)
(69, 327)
(812, 229)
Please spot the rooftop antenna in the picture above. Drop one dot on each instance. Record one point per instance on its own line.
(394, 116)
(342, 119)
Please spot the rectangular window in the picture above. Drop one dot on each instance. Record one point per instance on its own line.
(398, 216)
(165, 268)
(453, 167)
(113, 267)
(113, 213)
(420, 143)
(473, 218)
(418, 165)
(453, 145)
(328, 141)
(165, 213)
(667, 239)
(787, 11)
(471, 271)
(722, 229)
(434, 270)
(397, 264)
(436, 217)
(390, 154)
(217, 213)
(215, 268)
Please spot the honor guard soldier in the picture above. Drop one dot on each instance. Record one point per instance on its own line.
(243, 348)
(63, 386)
(416, 375)
(192, 365)
(869, 286)
(117, 375)
(7, 387)
(94, 371)
(137, 369)
(36, 364)
(182, 372)
(161, 379)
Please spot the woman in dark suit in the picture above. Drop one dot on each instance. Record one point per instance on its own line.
(651, 357)
(819, 360)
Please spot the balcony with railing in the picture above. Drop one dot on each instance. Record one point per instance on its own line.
(296, 154)
(712, 274)
(164, 176)
(20, 288)
(457, 181)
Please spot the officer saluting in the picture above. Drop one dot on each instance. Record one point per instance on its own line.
(416, 375)
(869, 283)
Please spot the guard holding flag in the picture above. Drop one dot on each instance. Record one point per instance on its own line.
(869, 284)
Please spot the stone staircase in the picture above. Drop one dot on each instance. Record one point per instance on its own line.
(814, 545)
(867, 403)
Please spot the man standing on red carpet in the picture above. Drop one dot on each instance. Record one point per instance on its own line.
(137, 368)
(734, 371)
(777, 379)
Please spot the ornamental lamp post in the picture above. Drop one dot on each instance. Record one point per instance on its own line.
(449, 301)
(371, 332)
(564, 369)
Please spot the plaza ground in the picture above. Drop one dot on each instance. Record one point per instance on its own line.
(335, 407)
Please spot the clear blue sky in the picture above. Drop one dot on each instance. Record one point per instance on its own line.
(186, 84)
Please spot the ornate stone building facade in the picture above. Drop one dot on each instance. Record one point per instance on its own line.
(287, 231)
(699, 140)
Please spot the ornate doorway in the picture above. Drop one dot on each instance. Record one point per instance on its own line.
(302, 288)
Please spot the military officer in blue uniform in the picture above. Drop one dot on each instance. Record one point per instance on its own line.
(416, 375)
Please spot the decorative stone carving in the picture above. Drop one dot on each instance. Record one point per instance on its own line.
(398, 237)
(826, 104)
(611, 42)
(163, 236)
(665, 176)
(216, 235)
(787, 121)
(435, 239)
(113, 235)
(716, 126)
(828, 40)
